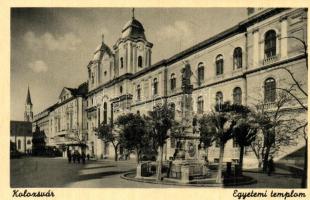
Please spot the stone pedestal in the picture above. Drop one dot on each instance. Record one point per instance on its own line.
(185, 173)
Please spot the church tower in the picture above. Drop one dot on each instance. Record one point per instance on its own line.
(28, 114)
(132, 50)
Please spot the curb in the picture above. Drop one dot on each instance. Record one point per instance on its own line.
(125, 176)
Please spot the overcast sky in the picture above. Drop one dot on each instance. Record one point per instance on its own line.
(50, 48)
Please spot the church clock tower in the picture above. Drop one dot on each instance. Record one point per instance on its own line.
(28, 114)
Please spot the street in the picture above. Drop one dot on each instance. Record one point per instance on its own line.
(57, 172)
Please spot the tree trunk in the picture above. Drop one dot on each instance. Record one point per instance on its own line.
(241, 159)
(116, 154)
(160, 163)
(304, 176)
(137, 156)
(259, 163)
(219, 171)
(265, 161)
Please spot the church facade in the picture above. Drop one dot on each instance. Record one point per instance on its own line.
(241, 64)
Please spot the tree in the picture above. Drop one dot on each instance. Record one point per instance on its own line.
(275, 126)
(160, 121)
(206, 131)
(38, 142)
(221, 122)
(109, 133)
(134, 134)
(297, 87)
(244, 133)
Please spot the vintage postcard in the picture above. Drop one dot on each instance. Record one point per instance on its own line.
(139, 101)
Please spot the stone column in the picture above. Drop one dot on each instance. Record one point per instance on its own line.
(255, 47)
(283, 41)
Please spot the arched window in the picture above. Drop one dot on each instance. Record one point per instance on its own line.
(219, 97)
(140, 61)
(237, 96)
(237, 58)
(200, 105)
(98, 110)
(173, 82)
(155, 86)
(219, 62)
(28, 142)
(270, 44)
(121, 89)
(201, 73)
(19, 144)
(105, 113)
(122, 62)
(138, 92)
(270, 90)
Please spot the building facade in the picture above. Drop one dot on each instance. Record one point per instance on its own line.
(241, 64)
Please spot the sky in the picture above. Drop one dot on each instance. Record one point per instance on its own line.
(51, 47)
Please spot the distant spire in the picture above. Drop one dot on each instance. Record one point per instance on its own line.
(102, 38)
(28, 99)
(133, 13)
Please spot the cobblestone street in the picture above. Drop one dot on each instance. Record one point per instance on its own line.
(57, 172)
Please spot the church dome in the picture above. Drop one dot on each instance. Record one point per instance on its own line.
(133, 29)
(101, 50)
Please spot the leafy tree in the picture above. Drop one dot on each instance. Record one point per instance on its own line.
(134, 134)
(245, 133)
(109, 133)
(206, 132)
(38, 142)
(160, 121)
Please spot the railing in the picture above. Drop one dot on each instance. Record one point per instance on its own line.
(270, 59)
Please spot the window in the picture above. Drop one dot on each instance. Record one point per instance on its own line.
(270, 90)
(98, 111)
(200, 105)
(121, 89)
(237, 96)
(270, 44)
(28, 142)
(237, 58)
(140, 61)
(105, 73)
(201, 71)
(138, 92)
(173, 82)
(155, 86)
(219, 65)
(122, 62)
(105, 113)
(219, 98)
(217, 143)
(19, 144)
(92, 78)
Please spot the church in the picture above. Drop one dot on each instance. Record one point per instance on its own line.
(242, 64)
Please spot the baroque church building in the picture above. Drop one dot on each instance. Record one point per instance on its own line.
(242, 64)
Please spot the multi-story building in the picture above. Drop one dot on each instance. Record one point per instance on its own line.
(241, 64)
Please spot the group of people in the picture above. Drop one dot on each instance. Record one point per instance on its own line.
(76, 156)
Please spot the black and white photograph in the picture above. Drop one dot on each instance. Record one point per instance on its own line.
(155, 97)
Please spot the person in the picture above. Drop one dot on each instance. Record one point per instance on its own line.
(270, 166)
(88, 156)
(78, 156)
(83, 157)
(74, 157)
(69, 155)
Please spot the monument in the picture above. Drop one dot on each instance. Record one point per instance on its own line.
(187, 165)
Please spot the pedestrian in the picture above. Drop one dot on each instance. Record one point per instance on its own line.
(88, 156)
(74, 157)
(270, 166)
(69, 155)
(78, 156)
(83, 157)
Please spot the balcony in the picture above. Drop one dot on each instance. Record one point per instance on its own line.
(271, 59)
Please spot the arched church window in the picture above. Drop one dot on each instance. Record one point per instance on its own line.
(122, 62)
(270, 44)
(140, 61)
(237, 58)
